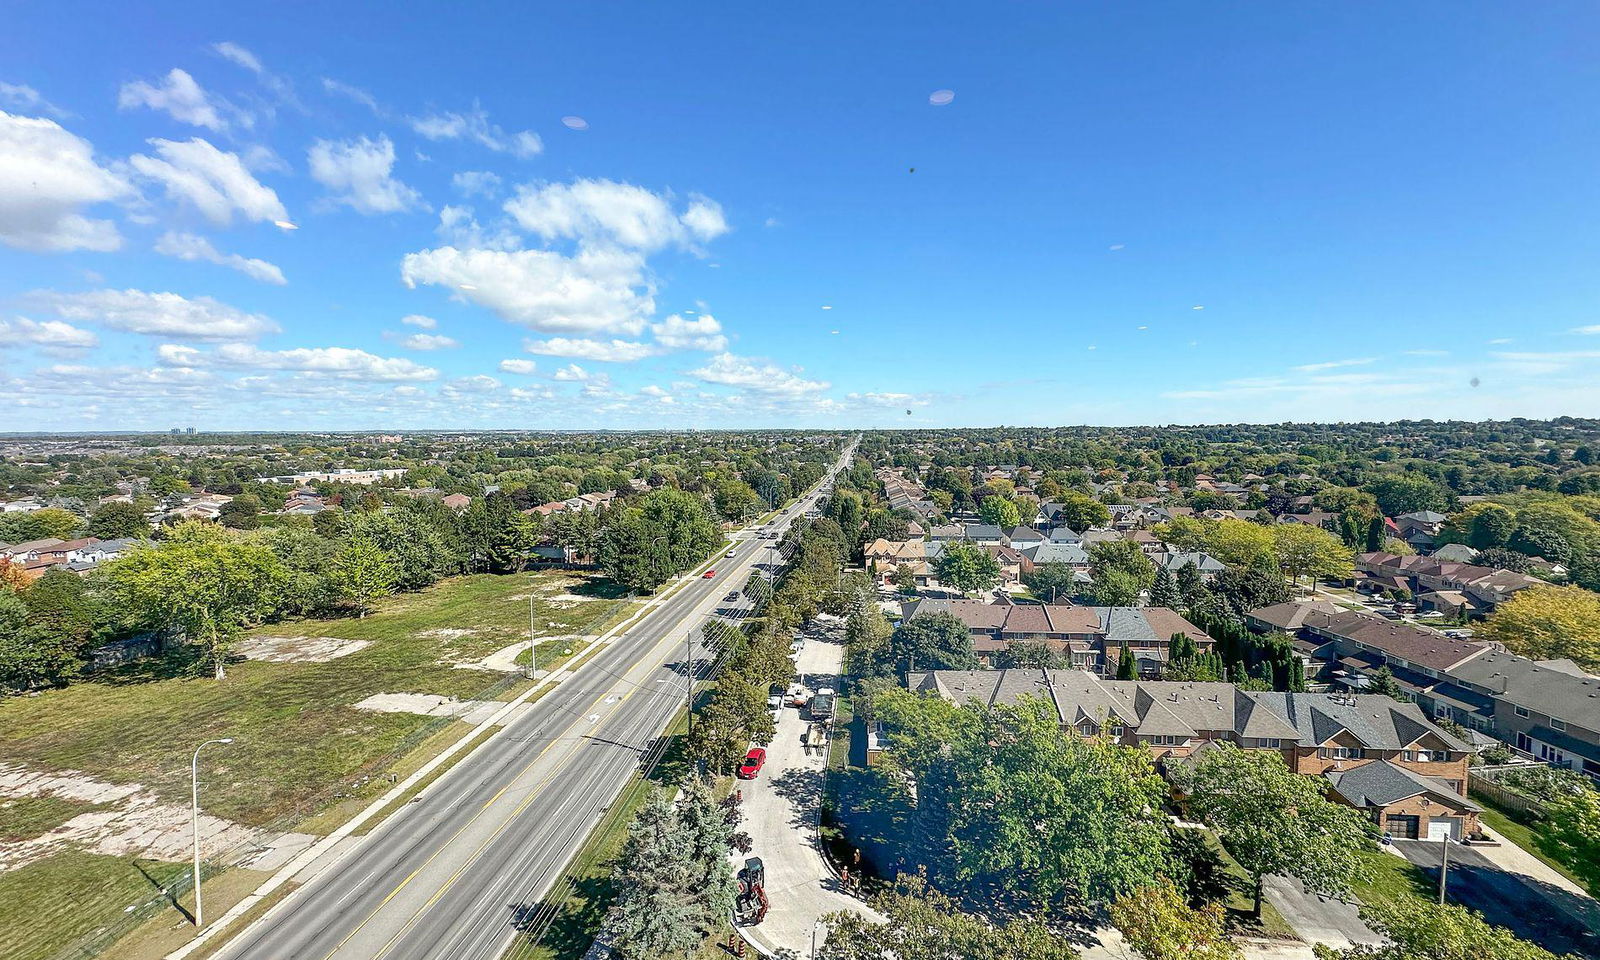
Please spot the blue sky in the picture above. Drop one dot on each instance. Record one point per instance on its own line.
(1127, 213)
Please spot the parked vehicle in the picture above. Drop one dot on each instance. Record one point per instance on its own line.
(752, 763)
(798, 694)
(821, 708)
(731, 598)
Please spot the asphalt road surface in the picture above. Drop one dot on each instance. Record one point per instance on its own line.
(454, 874)
(1556, 919)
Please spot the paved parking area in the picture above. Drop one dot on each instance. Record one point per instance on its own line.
(1553, 917)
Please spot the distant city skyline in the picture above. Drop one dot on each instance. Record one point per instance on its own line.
(894, 216)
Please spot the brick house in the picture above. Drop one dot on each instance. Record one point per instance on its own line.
(1416, 787)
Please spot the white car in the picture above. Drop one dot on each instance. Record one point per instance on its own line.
(728, 554)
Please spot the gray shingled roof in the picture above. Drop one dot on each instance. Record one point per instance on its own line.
(1380, 783)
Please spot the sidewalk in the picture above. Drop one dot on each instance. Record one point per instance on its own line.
(1513, 859)
(781, 809)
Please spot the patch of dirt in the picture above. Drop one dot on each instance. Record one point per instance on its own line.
(504, 660)
(298, 649)
(134, 822)
(431, 705)
(447, 633)
(565, 601)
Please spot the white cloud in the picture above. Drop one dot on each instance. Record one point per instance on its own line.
(20, 96)
(418, 320)
(595, 291)
(358, 173)
(352, 93)
(652, 391)
(478, 383)
(343, 363)
(1335, 364)
(180, 96)
(761, 376)
(47, 176)
(473, 183)
(614, 351)
(239, 55)
(159, 314)
(51, 335)
(474, 125)
(607, 212)
(189, 246)
(1590, 330)
(459, 228)
(571, 372)
(429, 341)
(701, 333)
(524, 367)
(215, 181)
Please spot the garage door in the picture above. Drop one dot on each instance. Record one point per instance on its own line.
(1440, 828)
(1404, 828)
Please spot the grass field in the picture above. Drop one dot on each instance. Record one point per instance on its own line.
(297, 732)
(302, 757)
(46, 905)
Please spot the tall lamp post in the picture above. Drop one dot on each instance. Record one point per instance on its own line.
(194, 769)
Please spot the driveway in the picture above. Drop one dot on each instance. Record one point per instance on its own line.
(781, 807)
(1534, 909)
(1318, 919)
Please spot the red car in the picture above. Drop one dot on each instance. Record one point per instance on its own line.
(752, 763)
(709, 574)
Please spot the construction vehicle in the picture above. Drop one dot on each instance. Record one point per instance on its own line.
(752, 904)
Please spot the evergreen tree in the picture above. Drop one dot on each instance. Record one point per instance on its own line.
(1164, 592)
(650, 917)
(1126, 669)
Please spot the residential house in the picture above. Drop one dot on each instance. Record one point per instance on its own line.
(1420, 529)
(1204, 563)
(1417, 789)
(457, 501)
(1091, 637)
(1482, 589)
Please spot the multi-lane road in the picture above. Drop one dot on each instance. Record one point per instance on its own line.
(453, 875)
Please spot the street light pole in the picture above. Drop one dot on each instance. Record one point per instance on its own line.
(194, 770)
(533, 643)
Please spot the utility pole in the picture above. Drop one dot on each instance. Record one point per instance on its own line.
(688, 672)
(1444, 867)
(194, 810)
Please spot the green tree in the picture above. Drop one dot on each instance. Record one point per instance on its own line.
(117, 520)
(1051, 581)
(361, 573)
(1127, 665)
(1164, 590)
(31, 655)
(1544, 623)
(1016, 807)
(1572, 834)
(1399, 493)
(1419, 929)
(1159, 924)
(1303, 550)
(1119, 572)
(736, 501)
(967, 567)
(1079, 512)
(241, 513)
(905, 578)
(1273, 820)
(669, 532)
(654, 912)
(930, 641)
(201, 581)
(866, 636)
(708, 833)
(923, 924)
(1000, 512)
